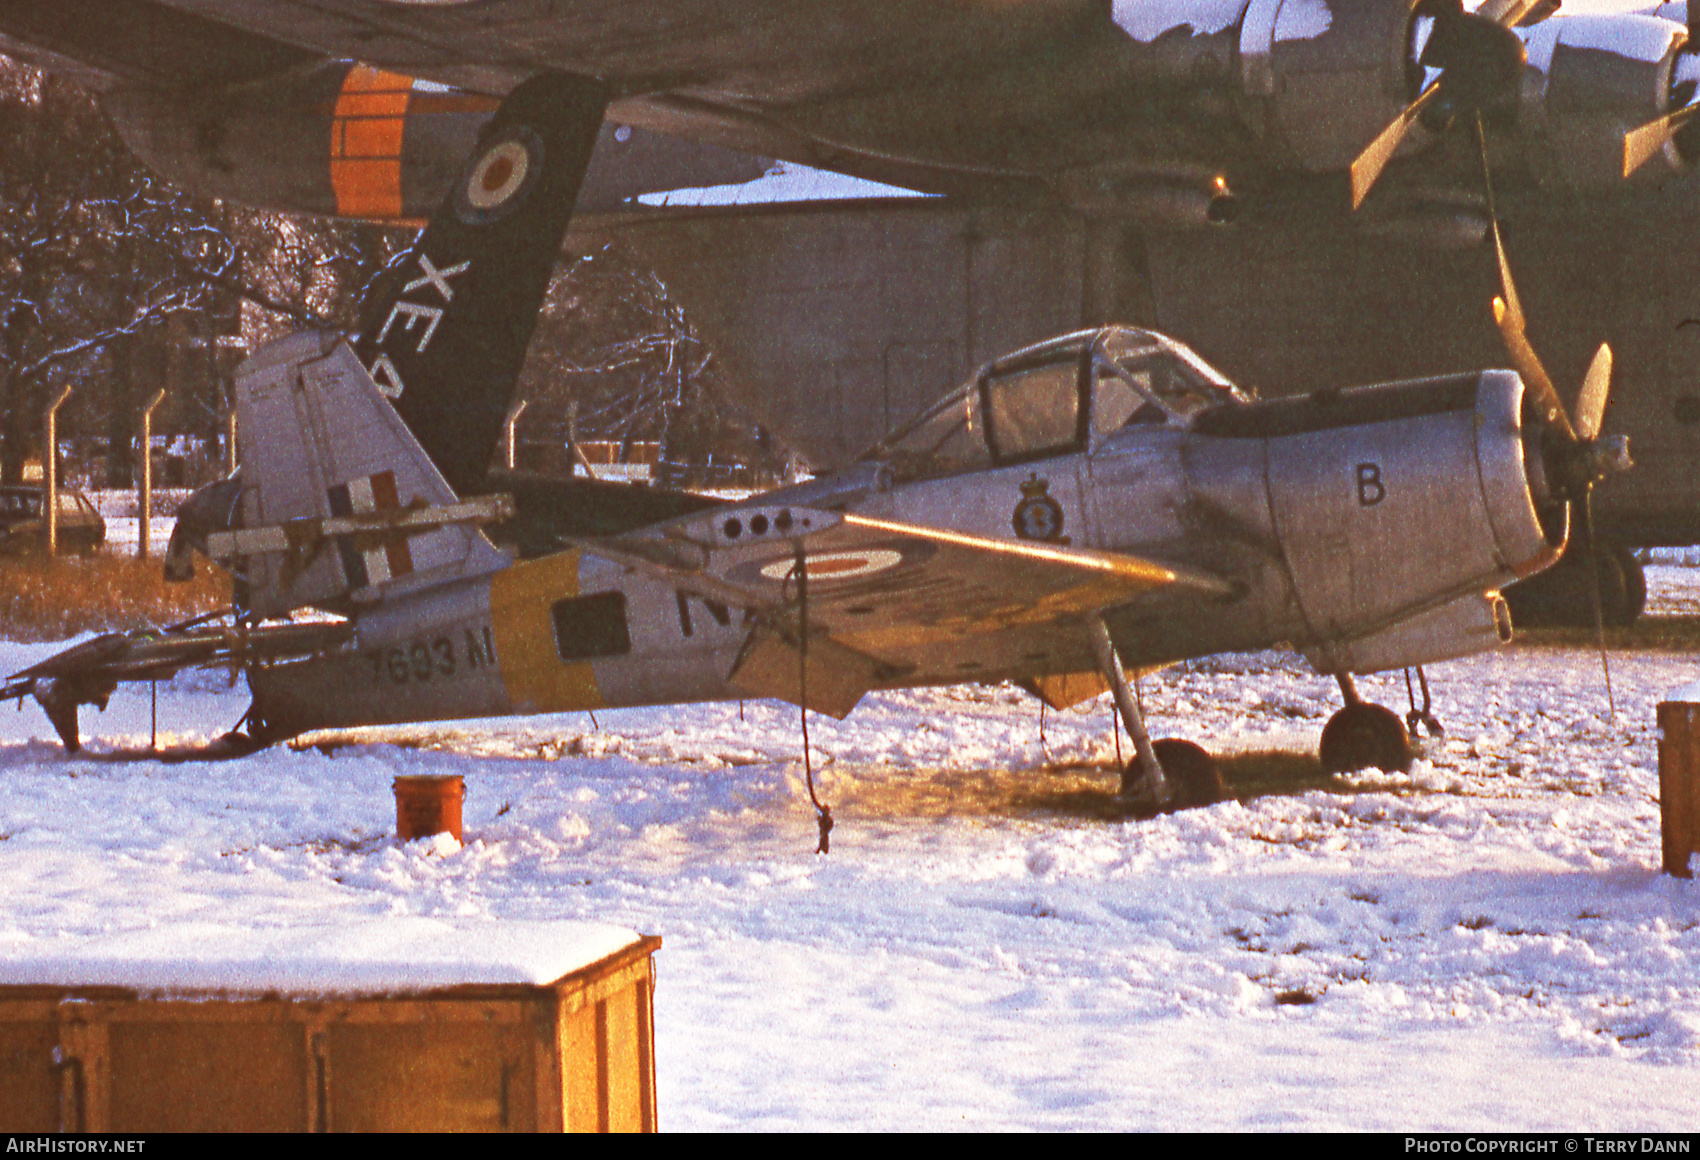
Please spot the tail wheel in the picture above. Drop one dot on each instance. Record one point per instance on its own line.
(1363, 735)
(1192, 772)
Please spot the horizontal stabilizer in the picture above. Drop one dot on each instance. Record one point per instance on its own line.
(382, 526)
(87, 674)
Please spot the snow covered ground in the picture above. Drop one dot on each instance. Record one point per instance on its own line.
(1484, 943)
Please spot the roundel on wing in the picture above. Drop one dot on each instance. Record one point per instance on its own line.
(876, 563)
(498, 179)
(836, 565)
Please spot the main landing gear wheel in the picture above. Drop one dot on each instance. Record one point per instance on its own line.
(1362, 735)
(1563, 596)
(1191, 771)
(1634, 586)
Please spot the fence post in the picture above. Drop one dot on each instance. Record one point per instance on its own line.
(147, 471)
(50, 469)
(1679, 783)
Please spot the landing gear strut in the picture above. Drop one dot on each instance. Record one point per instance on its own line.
(1362, 735)
(1424, 716)
(1166, 774)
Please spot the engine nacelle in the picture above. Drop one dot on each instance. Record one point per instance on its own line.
(1589, 80)
(337, 139)
(1397, 512)
(350, 141)
(1323, 77)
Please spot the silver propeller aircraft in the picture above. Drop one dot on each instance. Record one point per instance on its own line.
(1098, 503)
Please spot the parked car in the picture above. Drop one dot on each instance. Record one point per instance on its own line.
(23, 528)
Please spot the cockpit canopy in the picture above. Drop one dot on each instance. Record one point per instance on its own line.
(1056, 397)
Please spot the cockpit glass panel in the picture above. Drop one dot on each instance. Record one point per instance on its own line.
(1035, 409)
(1116, 404)
(948, 439)
(1183, 385)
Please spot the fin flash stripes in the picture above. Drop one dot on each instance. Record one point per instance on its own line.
(367, 566)
(366, 136)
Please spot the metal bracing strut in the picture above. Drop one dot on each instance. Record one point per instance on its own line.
(1148, 783)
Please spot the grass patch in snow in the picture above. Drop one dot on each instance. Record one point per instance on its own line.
(1658, 633)
(51, 598)
(1266, 772)
(1089, 790)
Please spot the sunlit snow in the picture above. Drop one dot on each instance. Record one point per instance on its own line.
(1485, 942)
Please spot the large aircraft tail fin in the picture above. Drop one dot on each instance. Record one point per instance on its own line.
(340, 505)
(445, 332)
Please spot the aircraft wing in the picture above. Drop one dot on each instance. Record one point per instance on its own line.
(86, 674)
(933, 95)
(888, 599)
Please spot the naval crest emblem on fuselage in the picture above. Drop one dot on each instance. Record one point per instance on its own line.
(1038, 516)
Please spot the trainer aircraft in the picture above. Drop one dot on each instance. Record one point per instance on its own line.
(1096, 503)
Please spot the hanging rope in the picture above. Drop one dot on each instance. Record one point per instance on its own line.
(823, 814)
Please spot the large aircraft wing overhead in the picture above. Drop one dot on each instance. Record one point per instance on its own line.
(887, 598)
(939, 97)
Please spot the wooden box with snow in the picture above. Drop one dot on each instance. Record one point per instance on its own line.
(405, 1024)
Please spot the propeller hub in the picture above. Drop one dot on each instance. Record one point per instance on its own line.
(1573, 467)
(1480, 62)
(1611, 455)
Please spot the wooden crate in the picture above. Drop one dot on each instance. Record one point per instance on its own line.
(575, 1054)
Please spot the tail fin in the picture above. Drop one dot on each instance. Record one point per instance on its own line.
(340, 505)
(445, 332)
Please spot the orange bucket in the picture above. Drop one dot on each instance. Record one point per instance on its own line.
(428, 805)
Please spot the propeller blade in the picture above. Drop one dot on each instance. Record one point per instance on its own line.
(1641, 144)
(1369, 164)
(1508, 314)
(1528, 365)
(1591, 402)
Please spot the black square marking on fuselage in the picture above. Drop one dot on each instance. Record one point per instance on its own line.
(587, 627)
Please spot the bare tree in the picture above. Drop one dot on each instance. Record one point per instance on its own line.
(613, 340)
(109, 274)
